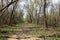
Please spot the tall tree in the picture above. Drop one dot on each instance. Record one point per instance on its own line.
(12, 14)
(44, 11)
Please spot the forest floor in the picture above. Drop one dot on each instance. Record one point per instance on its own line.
(29, 32)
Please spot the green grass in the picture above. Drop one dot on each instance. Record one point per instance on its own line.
(52, 38)
(10, 30)
(2, 38)
(36, 30)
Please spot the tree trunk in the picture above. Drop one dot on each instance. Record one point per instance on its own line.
(12, 14)
(45, 19)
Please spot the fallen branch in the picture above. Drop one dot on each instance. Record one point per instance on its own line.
(8, 5)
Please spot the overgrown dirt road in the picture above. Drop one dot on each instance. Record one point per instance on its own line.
(28, 32)
(23, 34)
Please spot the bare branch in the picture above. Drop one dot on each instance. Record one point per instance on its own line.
(8, 5)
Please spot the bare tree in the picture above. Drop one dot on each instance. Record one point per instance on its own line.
(8, 5)
(12, 14)
(45, 19)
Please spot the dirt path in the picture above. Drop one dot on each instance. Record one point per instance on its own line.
(14, 37)
(23, 34)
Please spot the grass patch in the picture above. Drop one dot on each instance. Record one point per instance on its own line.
(35, 30)
(11, 29)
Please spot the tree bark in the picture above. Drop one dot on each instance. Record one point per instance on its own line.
(45, 18)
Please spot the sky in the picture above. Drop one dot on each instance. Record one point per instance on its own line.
(23, 4)
(55, 1)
